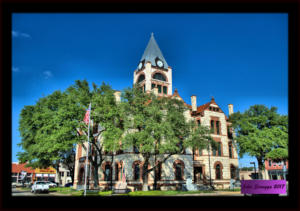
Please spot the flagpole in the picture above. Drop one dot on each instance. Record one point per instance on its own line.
(87, 152)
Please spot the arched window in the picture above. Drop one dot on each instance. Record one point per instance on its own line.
(218, 171)
(107, 174)
(232, 172)
(178, 171)
(159, 76)
(136, 171)
(117, 172)
(141, 78)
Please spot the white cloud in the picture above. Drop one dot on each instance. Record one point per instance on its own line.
(47, 74)
(20, 34)
(15, 69)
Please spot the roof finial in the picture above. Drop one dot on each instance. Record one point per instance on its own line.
(152, 34)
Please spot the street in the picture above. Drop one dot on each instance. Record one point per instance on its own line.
(19, 192)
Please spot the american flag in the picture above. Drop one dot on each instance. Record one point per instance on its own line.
(87, 115)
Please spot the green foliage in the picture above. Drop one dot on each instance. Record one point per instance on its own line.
(49, 129)
(262, 133)
(157, 126)
(247, 169)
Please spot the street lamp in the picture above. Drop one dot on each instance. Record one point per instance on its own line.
(254, 168)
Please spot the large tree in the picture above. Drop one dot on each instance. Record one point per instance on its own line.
(157, 129)
(52, 127)
(261, 132)
(106, 127)
(48, 131)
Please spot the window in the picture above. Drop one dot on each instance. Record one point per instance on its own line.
(214, 152)
(68, 174)
(159, 88)
(210, 108)
(229, 134)
(212, 124)
(152, 86)
(165, 90)
(218, 171)
(217, 109)
(178, 173)
(198, 122)
(232, 171)
(219, 149)
(117, 172)
(218, 127)
(136, 171)
(107, 175)
(141, 78)
(217, 152)
(159, 76)
(62, 174)
(230, 149)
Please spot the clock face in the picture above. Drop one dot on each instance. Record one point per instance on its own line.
(159, 63)
(140, 65)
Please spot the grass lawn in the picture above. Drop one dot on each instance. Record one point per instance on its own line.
(73, 192)
(165, 193)
(233, 190)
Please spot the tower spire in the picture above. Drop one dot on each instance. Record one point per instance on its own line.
(152, 53)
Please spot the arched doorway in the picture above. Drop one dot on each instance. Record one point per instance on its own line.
(81, 176)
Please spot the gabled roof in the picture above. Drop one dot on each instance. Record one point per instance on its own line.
(17, 168)
(152, 51)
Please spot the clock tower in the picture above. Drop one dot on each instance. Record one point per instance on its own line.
(153, 70)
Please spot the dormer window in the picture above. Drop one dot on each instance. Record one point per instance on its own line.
(159, 76)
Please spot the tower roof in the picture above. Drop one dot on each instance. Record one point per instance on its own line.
(152, 51)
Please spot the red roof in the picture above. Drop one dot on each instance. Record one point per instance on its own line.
(17, 168)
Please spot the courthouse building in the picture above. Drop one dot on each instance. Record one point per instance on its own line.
(154, 74)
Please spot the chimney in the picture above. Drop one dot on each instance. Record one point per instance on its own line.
(194, 103)
(155, 91)
(230, 109)
(117, 96)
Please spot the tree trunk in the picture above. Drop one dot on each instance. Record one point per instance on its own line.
(260, 167)
(145, 175)
(96, 177)
(155, 174)
(57, 172)
(111, 171)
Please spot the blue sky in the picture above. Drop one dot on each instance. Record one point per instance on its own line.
(237, 58)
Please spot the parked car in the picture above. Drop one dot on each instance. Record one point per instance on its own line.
(52, 184)
(70, 184)
(40, 186)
